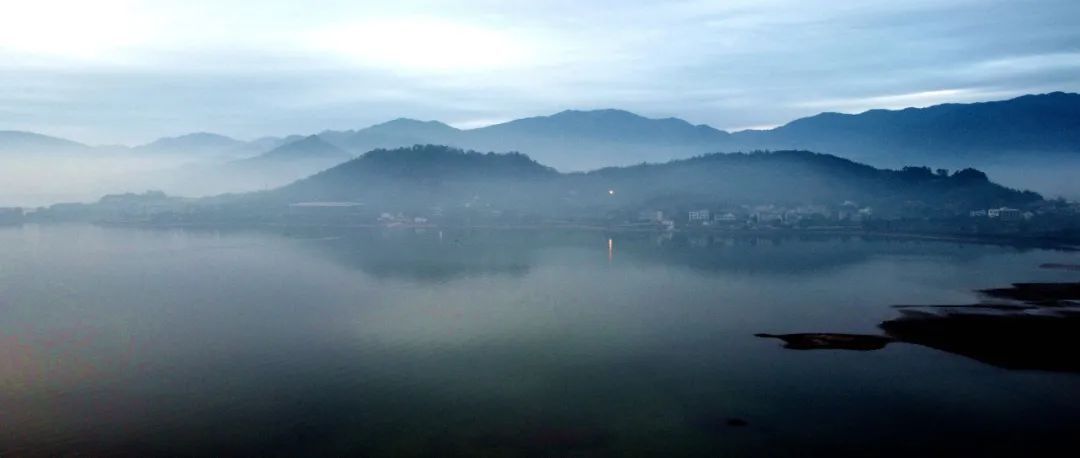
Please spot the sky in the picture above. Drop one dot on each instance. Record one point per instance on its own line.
(129, 71)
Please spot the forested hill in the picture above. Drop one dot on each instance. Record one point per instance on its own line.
(430, 175)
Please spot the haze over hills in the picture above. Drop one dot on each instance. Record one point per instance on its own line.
(1027, 125)
(19, 142)
(211, 147)
(610, 137)
(292, 160)
(569, 140)
(306, 148)
(583, 140)
(393, 134)
(194, 143)
(449, 187)
(417, 178)
(949, 135)
(1031, 141)
(423, 176)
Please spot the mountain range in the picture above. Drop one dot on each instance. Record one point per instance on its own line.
(199, 143)
(1028, 128)
(418, 178)
(1032, 123)
(287, 162)
(14, 141)
(311, 147)
(1024, 126)
(1029, 141)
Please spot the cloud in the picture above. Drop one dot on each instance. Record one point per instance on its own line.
(425, 45)
(71, 29)
(127, 70)
(477, 123)
(1035, 63)
(898, 101)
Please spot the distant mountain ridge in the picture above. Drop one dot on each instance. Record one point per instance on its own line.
(609, 125)
(15, 141)
(570, 140)
(1048, 123)
(311, 147)
(192, 140)
(946, 134)
(197, 145)
(1031, 141)
(394, 134)
(952, 135)
(289, 159)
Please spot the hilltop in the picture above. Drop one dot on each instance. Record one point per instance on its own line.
(431, 175)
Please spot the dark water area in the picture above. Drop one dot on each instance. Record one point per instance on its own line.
(368, 342)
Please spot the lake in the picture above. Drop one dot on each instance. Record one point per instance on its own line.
(409, 342)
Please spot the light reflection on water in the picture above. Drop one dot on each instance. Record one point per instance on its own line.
(452, 342)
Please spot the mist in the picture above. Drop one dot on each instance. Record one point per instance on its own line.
(445, 228)
(44, 178)
(32, 180)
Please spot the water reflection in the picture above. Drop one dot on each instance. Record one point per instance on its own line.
(442, 255)
(424, 256)
(314, 341)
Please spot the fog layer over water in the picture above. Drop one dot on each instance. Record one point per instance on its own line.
(410, 342)
(41, 180)
(46, 179)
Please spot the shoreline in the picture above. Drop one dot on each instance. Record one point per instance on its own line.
(1067, 244)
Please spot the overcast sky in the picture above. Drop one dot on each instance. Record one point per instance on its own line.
(127, 71)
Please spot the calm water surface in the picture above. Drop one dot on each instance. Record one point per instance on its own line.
(499, 343)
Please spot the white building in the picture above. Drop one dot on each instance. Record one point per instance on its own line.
(699, 216)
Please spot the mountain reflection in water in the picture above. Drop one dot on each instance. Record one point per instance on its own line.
(383, 342)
